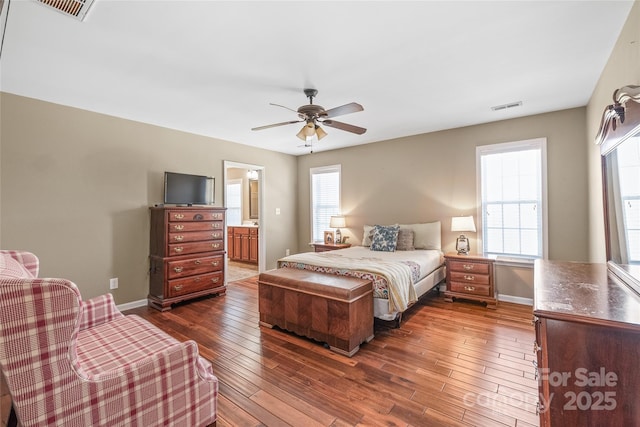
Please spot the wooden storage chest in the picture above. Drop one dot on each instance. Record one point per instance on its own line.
(333, 309)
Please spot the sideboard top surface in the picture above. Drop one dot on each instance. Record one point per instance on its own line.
(585, 292)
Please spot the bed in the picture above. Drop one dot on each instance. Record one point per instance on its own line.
(401, 269)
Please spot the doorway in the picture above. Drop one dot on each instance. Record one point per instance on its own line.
(243, 191)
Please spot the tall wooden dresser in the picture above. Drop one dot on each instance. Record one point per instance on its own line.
(186, 254)
(587, 345)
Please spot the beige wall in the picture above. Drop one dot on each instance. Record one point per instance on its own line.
(76, 187)
(622, 69)
(419, 179)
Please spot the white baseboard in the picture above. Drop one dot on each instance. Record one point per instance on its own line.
(132, 304)
(515, 300)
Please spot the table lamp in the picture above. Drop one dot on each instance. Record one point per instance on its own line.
(462, 224)
(338, 222)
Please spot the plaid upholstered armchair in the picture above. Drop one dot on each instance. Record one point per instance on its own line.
(70, 362)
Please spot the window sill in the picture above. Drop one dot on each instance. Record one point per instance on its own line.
(514, 261)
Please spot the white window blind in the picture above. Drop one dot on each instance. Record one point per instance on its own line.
(234, 202)
(325, 199)
(512, 184)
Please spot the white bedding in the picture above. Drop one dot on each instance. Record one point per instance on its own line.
(394, 274)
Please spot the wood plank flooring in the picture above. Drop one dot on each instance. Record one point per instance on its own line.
(449, 364)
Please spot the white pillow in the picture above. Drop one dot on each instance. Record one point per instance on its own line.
(368, 234)
(426, 236)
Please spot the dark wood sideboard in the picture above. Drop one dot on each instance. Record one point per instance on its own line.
(587, 345)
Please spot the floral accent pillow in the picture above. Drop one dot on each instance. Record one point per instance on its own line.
(385, 238)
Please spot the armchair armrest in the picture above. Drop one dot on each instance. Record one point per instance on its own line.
(98, 310)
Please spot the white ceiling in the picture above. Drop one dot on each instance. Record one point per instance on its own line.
(212, 67)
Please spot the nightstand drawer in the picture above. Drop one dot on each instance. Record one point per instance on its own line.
(471, 267)
(480, 279)
(471, 288)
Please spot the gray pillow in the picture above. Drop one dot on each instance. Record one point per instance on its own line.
(405, 240)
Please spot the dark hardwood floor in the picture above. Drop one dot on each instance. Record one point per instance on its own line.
(448, 364)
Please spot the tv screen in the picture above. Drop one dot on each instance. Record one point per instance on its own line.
(185, 189)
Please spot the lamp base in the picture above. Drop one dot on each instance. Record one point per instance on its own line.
(462, 245)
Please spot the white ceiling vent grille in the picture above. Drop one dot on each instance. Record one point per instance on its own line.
(75, 8)
(507, 106)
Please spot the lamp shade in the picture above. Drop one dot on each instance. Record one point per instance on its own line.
(337, 222)
(320, 133)
(463, 223)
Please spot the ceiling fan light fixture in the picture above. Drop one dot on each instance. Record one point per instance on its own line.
(320, 133)
(309, 129)
(301, 134)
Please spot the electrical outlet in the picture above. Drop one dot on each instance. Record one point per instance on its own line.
(277, 211)
(287, 252)
(113, 283)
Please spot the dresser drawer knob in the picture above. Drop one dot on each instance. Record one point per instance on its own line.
(215, 245)
(215, 263)
(197, 262)
(217, 225)
(178, 287)
(178, 249)
(178, 269)
(469, 288)
(178, 238)
(467, 266)
(469, 278)
(215, 279)
(178, 227)
(178, 216)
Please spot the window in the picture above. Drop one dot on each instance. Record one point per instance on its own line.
(325, 199)
(234, 202)
(512, 191)
(628, 187)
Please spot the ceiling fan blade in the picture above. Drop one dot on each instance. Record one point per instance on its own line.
(278, 105)
(353, 107)
(344, 126)
(276, 124)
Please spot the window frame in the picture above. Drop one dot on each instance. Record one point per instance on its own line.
(506, 147)
(239, 182)
(320, 170)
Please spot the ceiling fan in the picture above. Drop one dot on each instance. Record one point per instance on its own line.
(314, 115)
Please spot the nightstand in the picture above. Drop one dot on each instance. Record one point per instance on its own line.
(470, 277)
(322, 247)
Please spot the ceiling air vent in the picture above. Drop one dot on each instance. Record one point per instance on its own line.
(507, 106)
(75, 8)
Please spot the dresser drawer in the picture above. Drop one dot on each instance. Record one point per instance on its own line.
(471, 288)
(176, 249)
(471, 278)
(191, 284)
(471, 267)
(194, 266)
(195, 215)
(195, 226)
(195, 236)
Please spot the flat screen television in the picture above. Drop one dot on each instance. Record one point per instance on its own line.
(186, 189)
